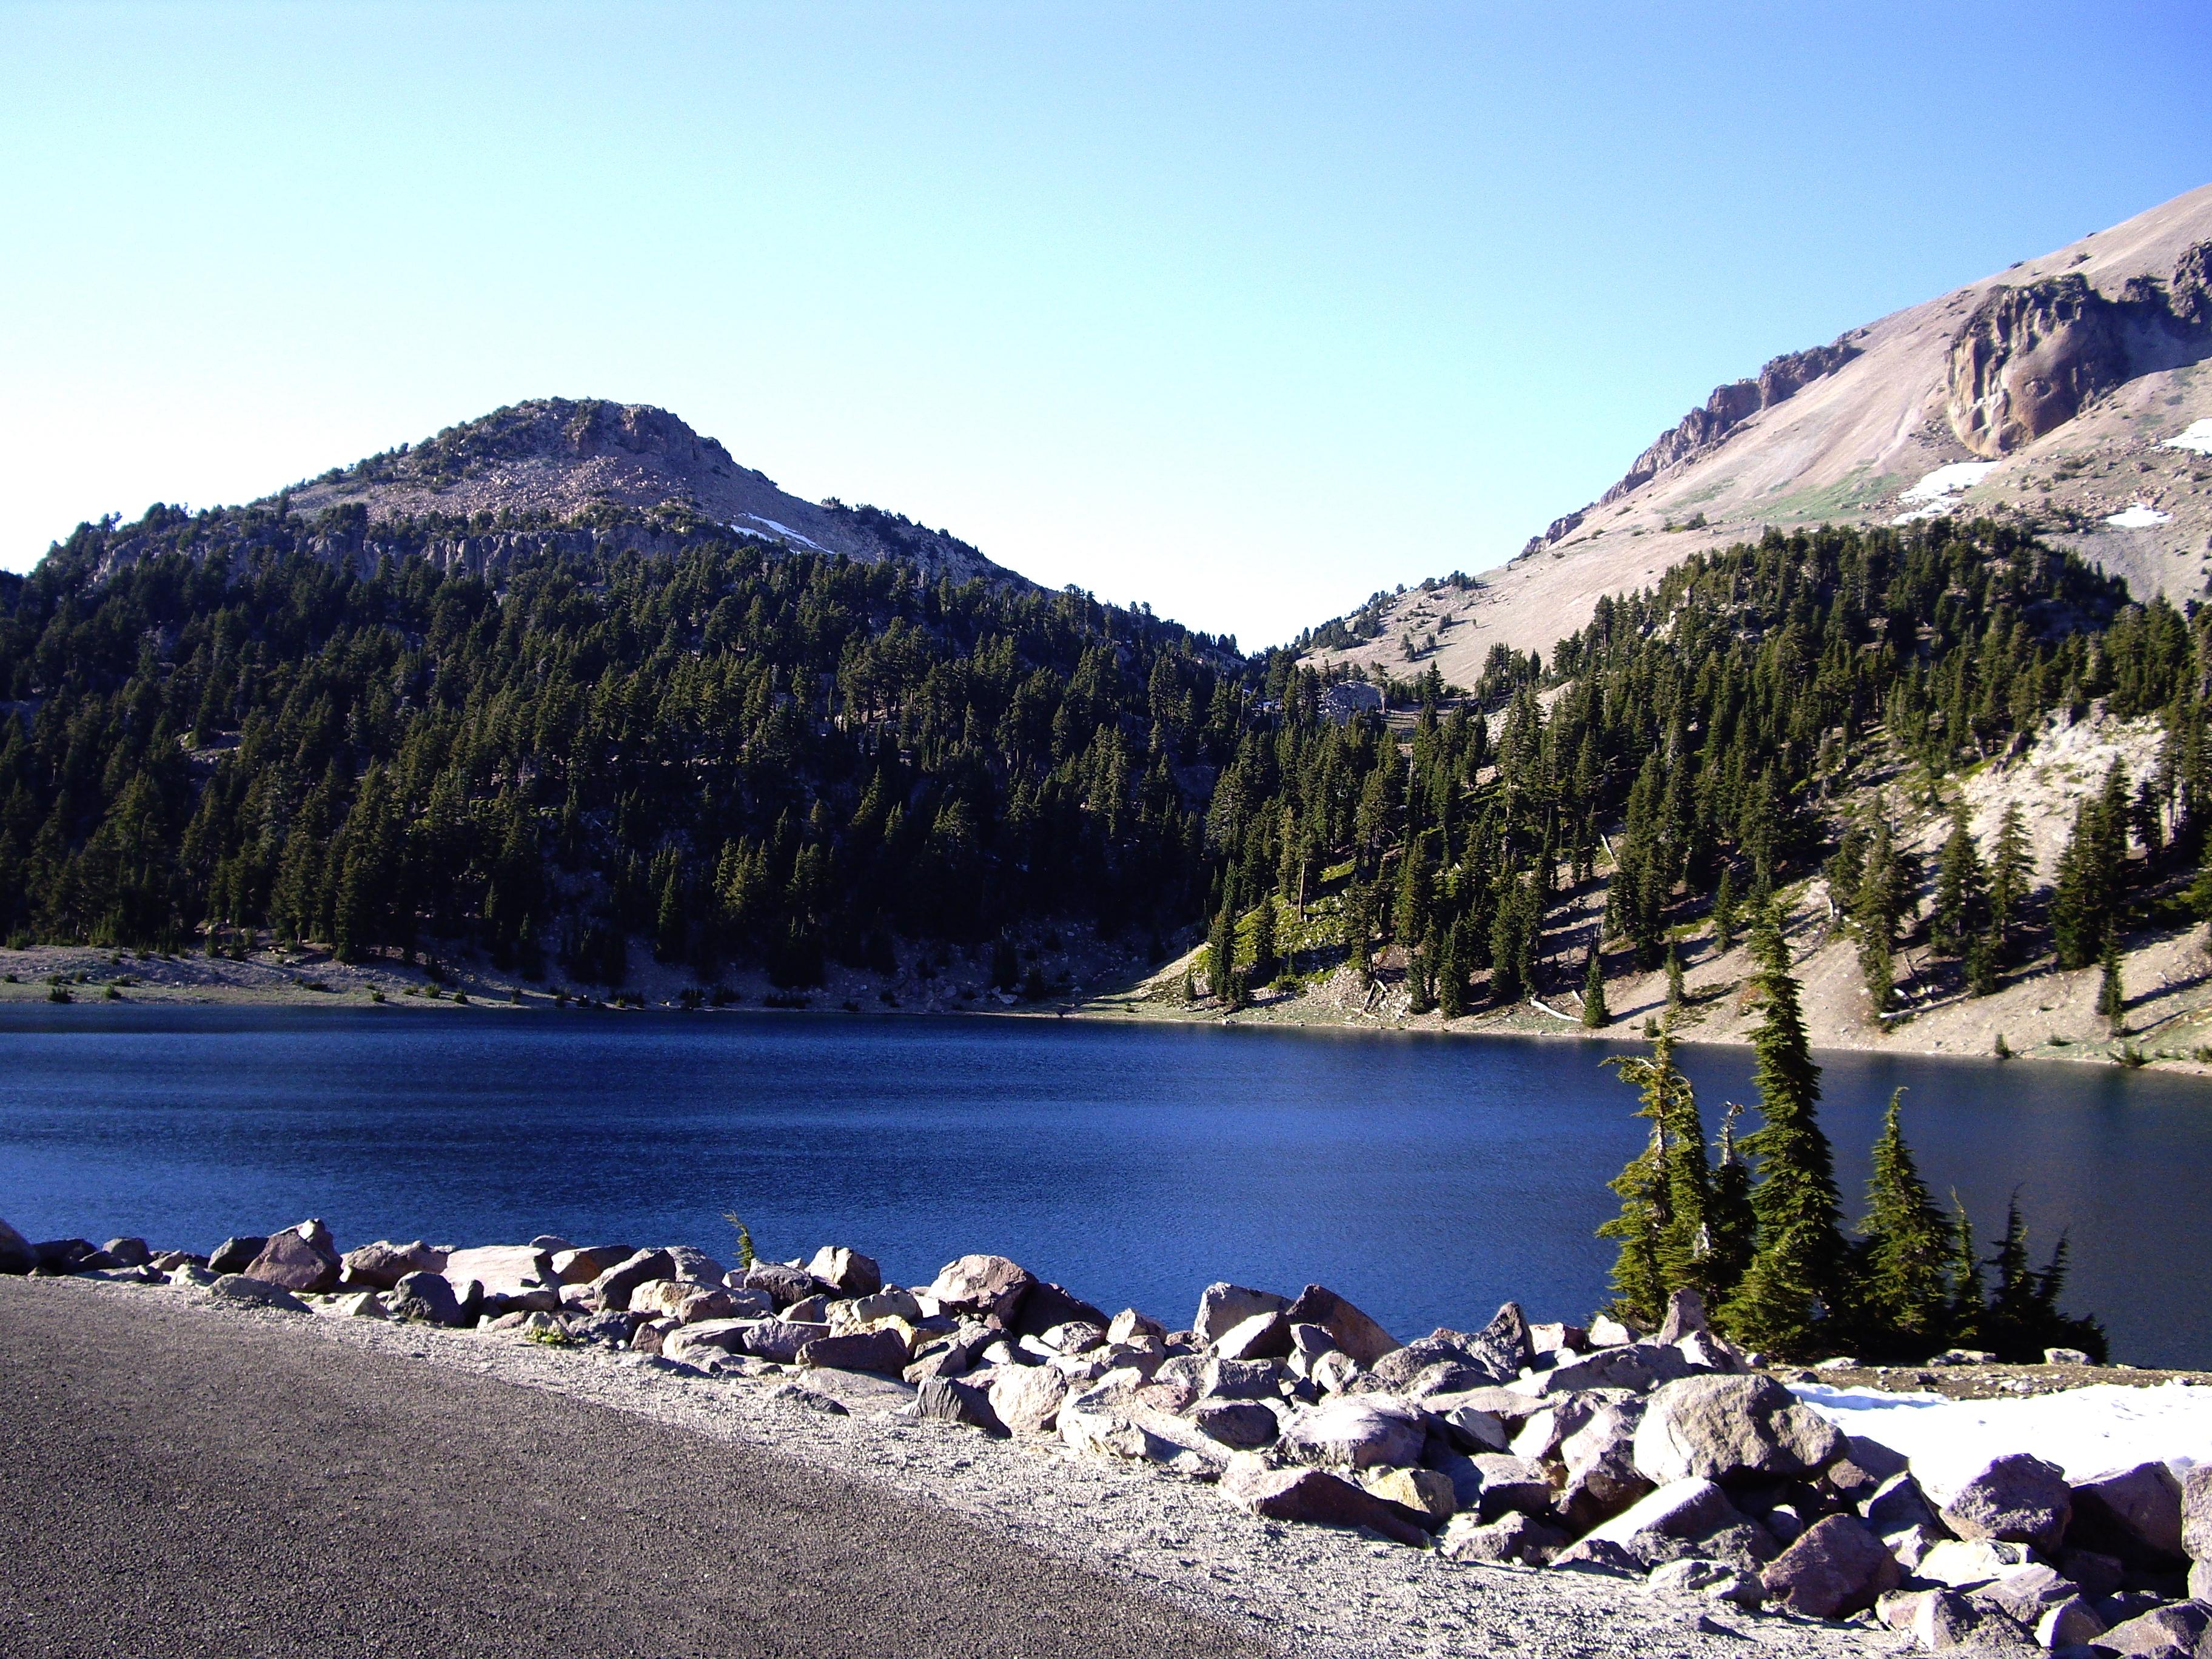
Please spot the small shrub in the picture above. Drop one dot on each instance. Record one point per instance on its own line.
(112, 995)
(58, 992)
(376, 996)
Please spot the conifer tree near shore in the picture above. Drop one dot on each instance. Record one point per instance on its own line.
(1906, 1288)
(1595, 1015)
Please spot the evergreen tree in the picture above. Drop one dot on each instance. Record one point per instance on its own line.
(1904, 1296)
(1966, 1311)
(1724, 913)
(1733, 1228)
(1673, 978)
(2111, 996)
(1874, 913)
(1961, 891)
(1264, 965)
(1221, 948)
(1794, 1277)
(1451, 976)
(2012, 870)
(1595, 1013)
(1662, 1223)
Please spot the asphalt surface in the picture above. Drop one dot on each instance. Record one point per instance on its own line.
(171, 1484)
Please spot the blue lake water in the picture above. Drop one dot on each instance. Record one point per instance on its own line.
(1426, 1178)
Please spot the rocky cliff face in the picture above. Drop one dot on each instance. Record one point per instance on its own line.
(2029, 358)
(1729, 407)
(570, 461)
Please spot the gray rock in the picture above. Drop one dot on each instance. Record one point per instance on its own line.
(2200, 1581)
(2179, 1629)
(299, 1258)
(695, 1265)
(236, 1254)
(1241, 1424)
(806, 1399)
(256, 1292)
(784, 1285)
(1634, 1365)
(880, 1350)
(1598, 1486)
(504, 1270)
(987, 1286)
(53, 1257)
(2098, 1574)
(1946, 1620)
(1129, 1323)
(1355, 1432)
(380, 1266)
(1835, 1569)
(1473, 1428)
(1353, 1330)
(580, 1266)
(2133, 1514)
(1047, 1305)
(1027, 1398)
(130, 1252)
(1107, 1421)
(947, 1400)
(694, 1345)
(1220, 1378)
(614, 1287)
(2072, 1623)
(1965, 1564)
(2197, 1513)
(1515, 1539)
(1685, 1509)
(608, 1329)
(1899, 1504)
(1510, 1484)
(1317, 1498)
(1731, 1428)
(2026, 1594)
(1426, 1494)
(2017, 1499)
(15, 1256)
(429, 1298)
(1263, 1336)
(815, 1310)
(1504, 1346)
(1222, 1307)
(1448, 1367)
(846, 1272)
(359, 1305)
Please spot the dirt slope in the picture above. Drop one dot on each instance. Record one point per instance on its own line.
(2062, 384)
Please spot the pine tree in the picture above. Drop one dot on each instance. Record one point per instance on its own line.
(1905, 1294)
(1966, 1311)
(1874, 913)
(1961, 891)
(1724, 913)
(1451, 976)
(1264, 965)
(2011, 870)
(1595, 1013)
(1673, 978)
(2111, 996)
(1221, 949)
(1732, 1228)
(1794, 1277)
(1664, 1190)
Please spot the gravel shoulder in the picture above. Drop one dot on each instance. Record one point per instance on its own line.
(225, 1479)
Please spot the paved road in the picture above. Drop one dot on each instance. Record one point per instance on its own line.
(172, 1485)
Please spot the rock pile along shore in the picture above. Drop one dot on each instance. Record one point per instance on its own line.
(1666, 1458)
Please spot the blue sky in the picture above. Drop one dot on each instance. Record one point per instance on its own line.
(1244, 311)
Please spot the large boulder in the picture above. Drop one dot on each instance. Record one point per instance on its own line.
(1731, 1429)
(846, 1272)
(2178, 1629)
(504, 1270)
(2135, 1514)
(612, 1288)
(1505, 1346)
(1354, 1331)
(1222, 1307)
(948, 1400)
(256, 1292)
(300, 1258)
(2017, 1499)
(1432, 1364)
(780, 1340)
(1967, 1564)
(130, 1252)
(1048, 1305)
(380, 1266)
(1317, 1498)
(1242, 1425)
(426, 1297)
(1108, 1421)
(1946, 1620)
(1634, 1365)
(1511, 1484)
(883, 1349)
(1026, 1398)
(1356, 1432)
(710, 1338)
(53, 1257)
(15, 1256)
(2197, 1513)
(1897, 1506)
(1516, 1538)
(1685, 1509)
(1837, 1567)
(1263, 1336)
(987, 1286)
(235, 1255)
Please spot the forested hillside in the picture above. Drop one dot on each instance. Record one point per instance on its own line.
(1692, 749)
(735, 753)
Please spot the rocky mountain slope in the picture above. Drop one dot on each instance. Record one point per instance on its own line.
(591, 464)
(2072, 392)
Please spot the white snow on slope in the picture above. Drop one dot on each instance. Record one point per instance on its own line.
(2196, 435)
(2138, 517)
(782, 530)
(1949, 480)
(2086, 1431)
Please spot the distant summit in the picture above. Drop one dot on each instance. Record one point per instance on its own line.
(574, 460)
(2070, 395)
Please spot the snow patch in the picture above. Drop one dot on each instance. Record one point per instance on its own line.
(2086, 1431)
(2138, 517)
(2196, 435)
(1949, 480)
(784, 531)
